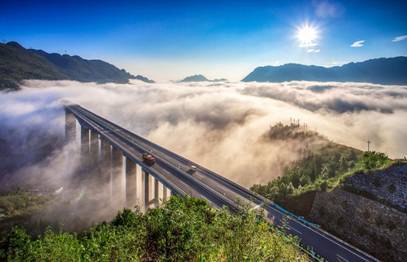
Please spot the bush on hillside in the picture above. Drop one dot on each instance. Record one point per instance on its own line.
(184, 229)
(372, 159)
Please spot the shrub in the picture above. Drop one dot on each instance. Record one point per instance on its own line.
(372, 159)
(183, 229)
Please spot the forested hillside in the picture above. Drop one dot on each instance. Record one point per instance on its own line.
(322, 164)
(18, 63)
(184, 229)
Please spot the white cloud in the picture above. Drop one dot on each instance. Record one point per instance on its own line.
(399, 38)
(312, 50)
(358, 43)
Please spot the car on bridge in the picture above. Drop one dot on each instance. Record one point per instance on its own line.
(149, 159)
(192, 169)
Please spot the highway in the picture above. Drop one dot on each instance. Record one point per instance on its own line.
(172, 169)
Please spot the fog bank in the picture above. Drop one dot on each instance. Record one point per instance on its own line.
(219, 125)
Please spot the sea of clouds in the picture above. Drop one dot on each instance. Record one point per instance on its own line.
(219, 125)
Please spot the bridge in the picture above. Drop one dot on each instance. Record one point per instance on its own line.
(119, 154)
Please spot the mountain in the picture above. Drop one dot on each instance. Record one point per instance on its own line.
(18, 63)
(380, 70)
(200, 78)
(195, 78)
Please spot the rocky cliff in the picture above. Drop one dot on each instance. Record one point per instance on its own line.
(372, 226)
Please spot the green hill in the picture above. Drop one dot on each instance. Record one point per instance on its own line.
(322, 163)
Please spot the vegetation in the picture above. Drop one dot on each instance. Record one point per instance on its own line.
(184, 229)
(19, 203)
(323, 166)
(319, 172)
(373, 160)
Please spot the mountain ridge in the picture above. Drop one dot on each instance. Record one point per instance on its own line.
(18, 63)
(391, 70)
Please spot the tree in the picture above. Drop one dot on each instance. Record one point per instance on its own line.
(290, 188)
(372, 159)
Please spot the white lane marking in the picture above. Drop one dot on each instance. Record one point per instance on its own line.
(299, 232)
(340, 258)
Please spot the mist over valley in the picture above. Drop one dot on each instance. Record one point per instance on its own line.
(214, 125)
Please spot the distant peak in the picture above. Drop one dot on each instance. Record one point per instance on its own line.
(15, 44)
(194, 78)
(201, 78)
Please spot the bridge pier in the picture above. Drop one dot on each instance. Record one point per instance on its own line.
(84, 141)
(93, 147)
(146, 189)
(118, 178)
(70, 126)
(165, 192)
(156, 199)
(84, 160)
(131, 183)
(105, 167)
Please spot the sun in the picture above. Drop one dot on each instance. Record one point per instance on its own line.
(307, 35)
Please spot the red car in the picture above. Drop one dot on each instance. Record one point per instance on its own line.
(149, 159)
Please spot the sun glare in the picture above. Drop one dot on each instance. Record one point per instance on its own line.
(307, 35)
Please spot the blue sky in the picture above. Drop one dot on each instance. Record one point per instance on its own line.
(167, 40)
